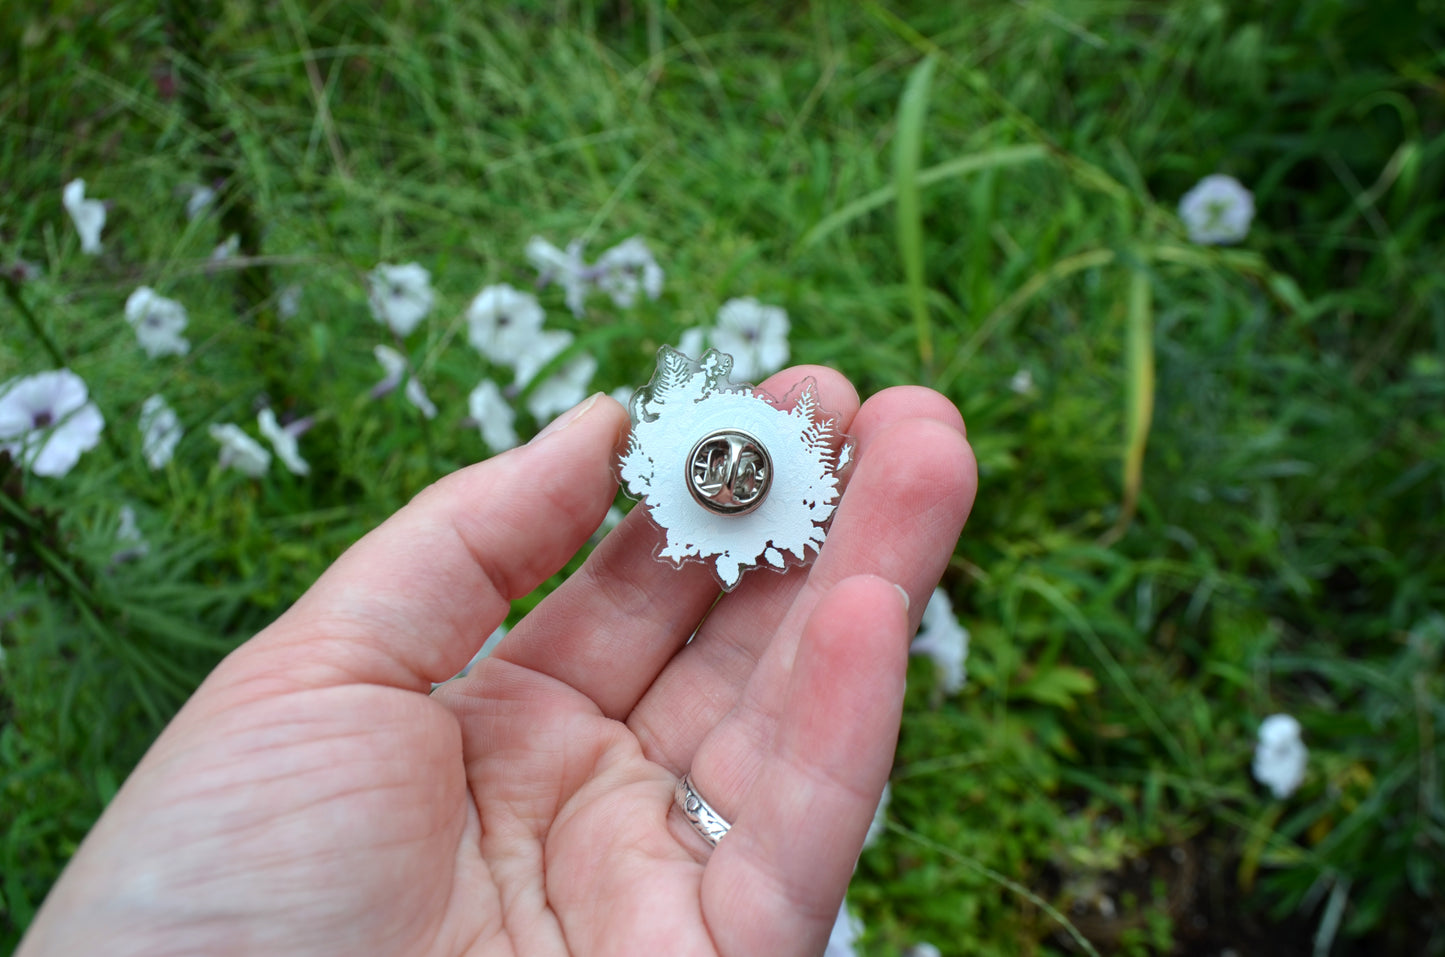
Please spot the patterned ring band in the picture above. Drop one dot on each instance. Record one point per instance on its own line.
(699, 813)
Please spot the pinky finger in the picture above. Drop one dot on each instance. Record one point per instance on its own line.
(774, 885)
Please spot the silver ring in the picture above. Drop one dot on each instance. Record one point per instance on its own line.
(700, 814)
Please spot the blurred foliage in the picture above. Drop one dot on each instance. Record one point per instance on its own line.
(947, 196)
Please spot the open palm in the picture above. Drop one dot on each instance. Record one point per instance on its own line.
(313, 798)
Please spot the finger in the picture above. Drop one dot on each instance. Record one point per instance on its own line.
(774, 883)
(899, 519)
(610, 628)
(412, 601)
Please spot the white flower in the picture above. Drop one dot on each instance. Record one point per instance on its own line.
(415, 393)
(23, 270)
(128, 535)
(565, 387)
(627, 268)
(943, 639)
(227, 250)
(160, 430)
(395, 366)
(755, 335)
(288, 301)
(503, 322)
(158, 323)
(1218, 210)
(240, 451)
(47, 420)
(923, 949)
(844, 936)
(494, 416)
(1280, 756)
(565, 268)
(623, 394)
(1022, 382)
(87, 214)
(612, 519)
(283, 440)
(880, 818)
(488, 646)
(693, 342)
(546, 346)
(401, 296)
(562, 391)
(200, 199)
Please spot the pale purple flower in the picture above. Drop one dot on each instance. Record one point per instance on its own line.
(565, 387)
(396, 368)
(1280, 755)
(160, 430)
(400, 296)
(87, 214)
(942, 638)
(1022, 382)
(47, 421)
(494, 416)
(199, 198)
(23, 270)
(284, 440)
(1217, 211)
(240, 451)
(568, 386)
(878, 825)
(128, 536)
(626, 269)
(226, 249)
(503, 323)
(288, 301)
(693, 342)
(488, 646)
(843, 939)
(564, 268)
(415, 393)
(158, 323)
(755, 335)
(393, 367)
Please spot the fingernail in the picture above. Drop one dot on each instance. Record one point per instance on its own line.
(568, 417)
(904, 592)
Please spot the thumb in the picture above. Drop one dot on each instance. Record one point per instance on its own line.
(411, 602)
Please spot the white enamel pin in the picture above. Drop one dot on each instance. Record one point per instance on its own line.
(734, 477)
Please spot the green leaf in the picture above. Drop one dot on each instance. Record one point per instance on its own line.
(1059, 687)
(907, 150)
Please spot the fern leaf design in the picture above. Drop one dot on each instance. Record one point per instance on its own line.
(807, 407)
(673, 372)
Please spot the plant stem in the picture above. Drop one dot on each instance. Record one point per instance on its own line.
(189, 28)
(12, 292)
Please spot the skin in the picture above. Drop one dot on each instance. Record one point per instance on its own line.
(314, 798)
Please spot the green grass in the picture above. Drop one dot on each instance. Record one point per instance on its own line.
(1224, 496)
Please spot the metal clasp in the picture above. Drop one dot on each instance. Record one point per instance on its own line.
(729, 472)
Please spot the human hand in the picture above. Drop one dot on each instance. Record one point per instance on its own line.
(313, 798)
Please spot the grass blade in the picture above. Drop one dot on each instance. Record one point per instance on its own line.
(1139, 351)
(907, 149)
(962, 166)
